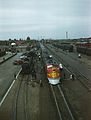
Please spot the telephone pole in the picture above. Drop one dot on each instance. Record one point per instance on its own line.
(66, 35)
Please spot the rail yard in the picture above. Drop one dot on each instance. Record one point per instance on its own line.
(39, 89)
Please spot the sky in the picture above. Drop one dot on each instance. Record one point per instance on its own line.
(45, 19)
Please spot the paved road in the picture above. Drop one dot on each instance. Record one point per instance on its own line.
(7, 70)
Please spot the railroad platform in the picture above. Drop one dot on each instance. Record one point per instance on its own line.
(6, 57)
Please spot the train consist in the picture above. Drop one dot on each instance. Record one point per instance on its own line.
(84, 50)
(83, 47)
(51, 67)
(64, 46)
(27, 66)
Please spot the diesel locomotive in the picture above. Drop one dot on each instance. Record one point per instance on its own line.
(53, 72)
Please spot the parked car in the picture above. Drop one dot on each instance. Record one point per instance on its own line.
(18, 62)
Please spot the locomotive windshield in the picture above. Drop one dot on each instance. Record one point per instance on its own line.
(55, 65)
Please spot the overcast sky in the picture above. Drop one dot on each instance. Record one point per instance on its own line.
(45, 19)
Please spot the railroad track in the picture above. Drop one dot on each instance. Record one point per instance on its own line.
(62, 106)
(20, 100)
(82, 78)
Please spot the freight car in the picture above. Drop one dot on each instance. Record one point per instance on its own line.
(88, 51)
(25, 68)
(81, 50)
(27, 65)
(64, 46)
(84, 50)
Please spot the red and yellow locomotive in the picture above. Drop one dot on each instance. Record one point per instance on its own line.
(53, 72)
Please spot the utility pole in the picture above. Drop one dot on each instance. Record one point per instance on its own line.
(66, 35)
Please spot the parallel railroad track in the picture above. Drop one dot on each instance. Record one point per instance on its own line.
(62, 106)
(81, 77)
(22, 85)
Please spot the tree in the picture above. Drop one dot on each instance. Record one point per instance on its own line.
(9, 39)
(28, 38)
(14, 39)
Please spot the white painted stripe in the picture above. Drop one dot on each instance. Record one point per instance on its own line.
(9, 89)
(6, 93)
(18, 73)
